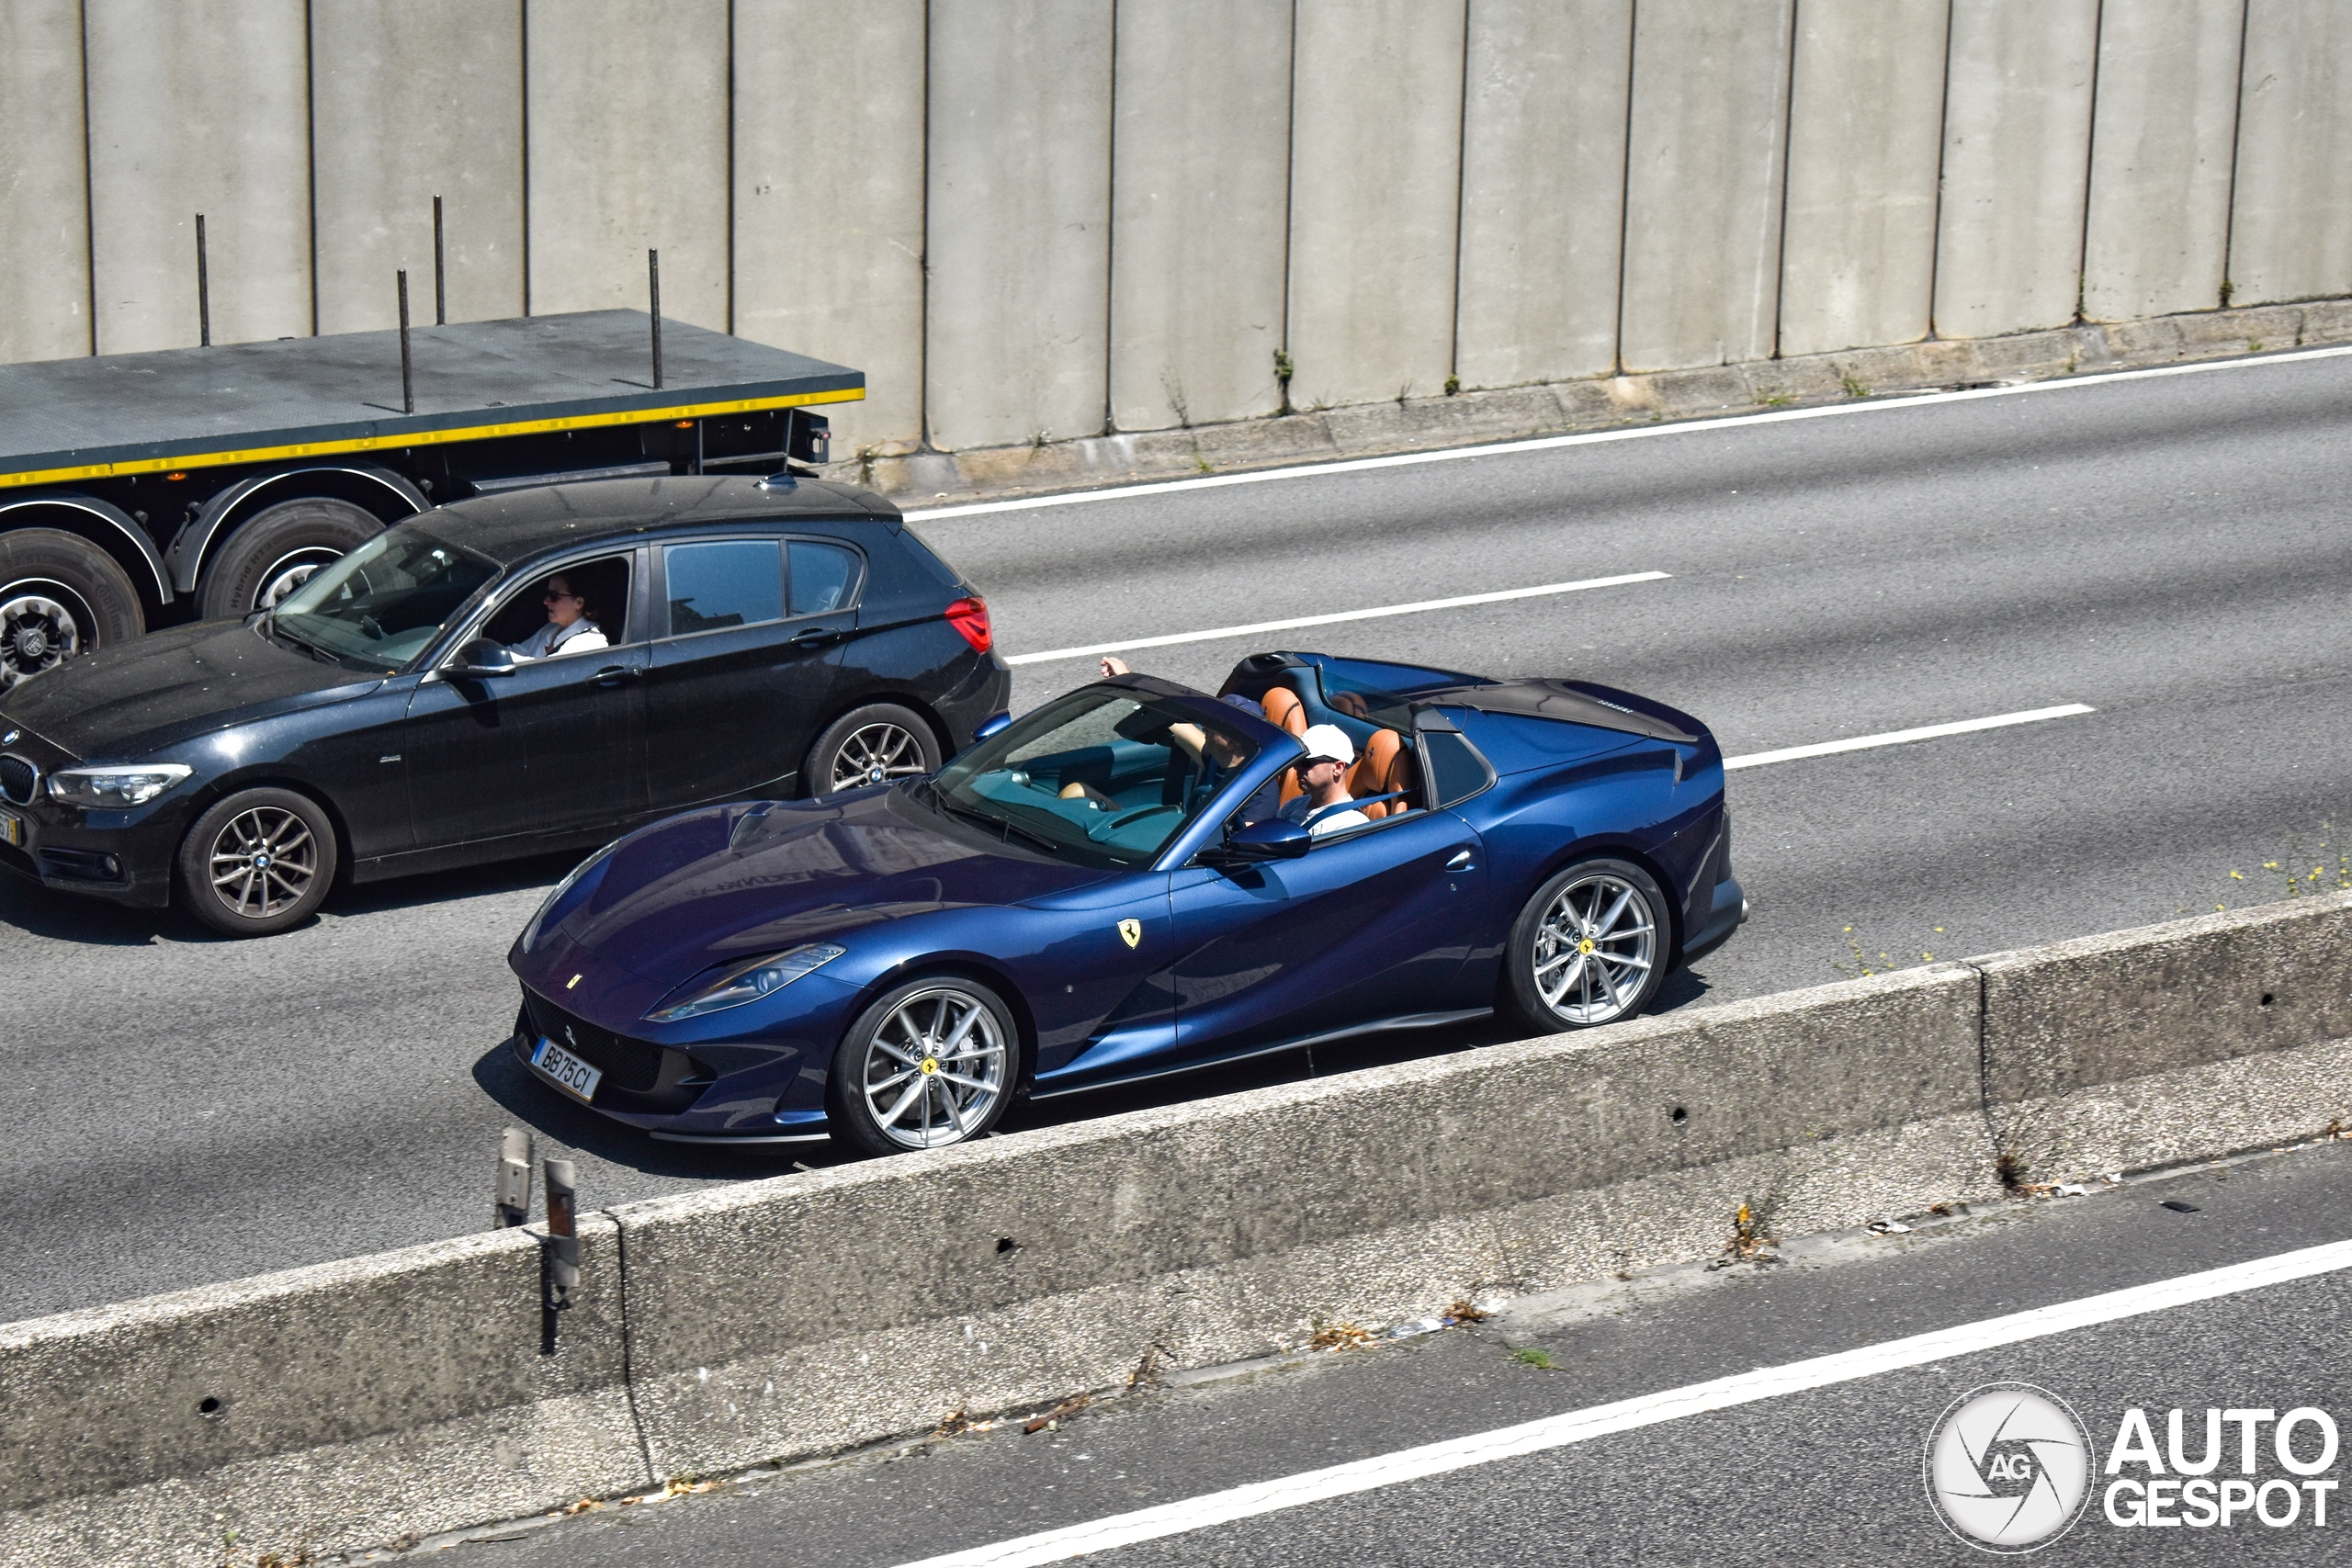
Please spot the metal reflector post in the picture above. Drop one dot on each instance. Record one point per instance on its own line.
(653, 287)
(203, 288)
(561, 1273)
(408, 385)
(440, 282)
(512, 1205)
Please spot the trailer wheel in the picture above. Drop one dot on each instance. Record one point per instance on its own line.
(60, 595)
(275, 550)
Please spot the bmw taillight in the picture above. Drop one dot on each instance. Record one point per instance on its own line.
(970, 617)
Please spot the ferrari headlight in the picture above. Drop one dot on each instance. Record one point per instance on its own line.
(115, 787)
(748, 982)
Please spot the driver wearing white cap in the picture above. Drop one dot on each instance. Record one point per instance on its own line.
(1322, 775)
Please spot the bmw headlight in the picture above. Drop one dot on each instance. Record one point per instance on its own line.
(115, 787)
(748, 982)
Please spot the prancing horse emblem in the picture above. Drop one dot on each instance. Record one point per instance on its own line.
(1131, 932)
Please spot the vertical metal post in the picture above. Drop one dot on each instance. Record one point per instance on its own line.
(653, 281)
(440, 281)
(203, 288)
(408, 385)
(512, 1205)
(560, 1263)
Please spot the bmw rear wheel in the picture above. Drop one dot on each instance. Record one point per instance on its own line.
(1589, 949)
(258, 862)
(932, 1063)
(880, 743)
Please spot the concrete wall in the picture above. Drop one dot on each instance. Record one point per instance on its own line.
(1201, 191)
(2162, 137)
(1020, 221)
(1073, 218)
(813, 1312)
(829, 198)
(2290, 232)
(216, 121)
(1542, 189)
(626, 134)
(45, 250)
(2016, 142)
(1857, 262)
(413, 99)
(1707, 139)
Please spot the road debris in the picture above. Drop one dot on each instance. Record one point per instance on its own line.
(1890, 1227)
(1339, 1337)
(1058, 1413)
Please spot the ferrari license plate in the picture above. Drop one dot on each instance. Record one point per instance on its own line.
(565, 1071)
(12, 829)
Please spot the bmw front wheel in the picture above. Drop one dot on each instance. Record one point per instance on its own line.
(1589, 949)
(932, 1063)
(257, 863)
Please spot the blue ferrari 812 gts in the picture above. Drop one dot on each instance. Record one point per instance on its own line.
(1124, 883)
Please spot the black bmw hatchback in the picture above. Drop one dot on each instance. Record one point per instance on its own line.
(503, 676)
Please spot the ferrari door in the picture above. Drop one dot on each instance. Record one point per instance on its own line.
(1366, 926)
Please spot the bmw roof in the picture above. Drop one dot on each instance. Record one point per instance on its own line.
(513, 526)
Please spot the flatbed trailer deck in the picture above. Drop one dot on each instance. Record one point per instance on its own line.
(143, 489)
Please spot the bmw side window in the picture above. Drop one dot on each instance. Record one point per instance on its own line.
(737, 583)
(1456, 771)
(824, 577)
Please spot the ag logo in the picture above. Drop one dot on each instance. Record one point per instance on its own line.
(2009, 1468)
(1131, 932)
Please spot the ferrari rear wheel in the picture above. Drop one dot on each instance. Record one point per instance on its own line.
(1589, 949)
(932, 1063)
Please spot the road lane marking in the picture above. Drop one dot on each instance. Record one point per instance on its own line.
(1549, 442)
(1905, 736)
(1645, 1410)
(1097, 650)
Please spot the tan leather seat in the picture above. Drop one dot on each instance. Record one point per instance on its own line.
(1385, 765)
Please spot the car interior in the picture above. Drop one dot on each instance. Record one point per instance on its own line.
(1385, 762)
(604, 584)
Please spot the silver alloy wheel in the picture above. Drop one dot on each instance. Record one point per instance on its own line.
(290, 572)
(36, 632)
(934, 1068)
(1594, 949)
(875, 753)
(264, 860)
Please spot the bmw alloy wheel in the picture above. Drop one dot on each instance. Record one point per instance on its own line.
(38, 632)
(263, 862)
(876, 753)
(1596, 946)
(935, 1069)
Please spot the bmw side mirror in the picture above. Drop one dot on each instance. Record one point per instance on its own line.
(480, 657)
(1277, 840)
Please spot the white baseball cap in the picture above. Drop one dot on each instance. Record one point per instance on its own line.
(1326, 743)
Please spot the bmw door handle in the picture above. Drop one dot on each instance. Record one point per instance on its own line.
(1463, 861)
(614, 675)
(815, 636)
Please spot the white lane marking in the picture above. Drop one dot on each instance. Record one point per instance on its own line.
(1905, 736)
(1548, 443)
(1413, 609)
(1645, 1410)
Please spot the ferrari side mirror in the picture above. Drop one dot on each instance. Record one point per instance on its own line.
(1276, 840)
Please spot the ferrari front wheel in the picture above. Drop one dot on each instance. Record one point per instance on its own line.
(932, 1063)
(1589, 949)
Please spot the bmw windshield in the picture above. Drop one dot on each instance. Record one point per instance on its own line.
(1102, 777)
(381, 606)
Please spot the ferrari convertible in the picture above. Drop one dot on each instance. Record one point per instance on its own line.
(1120, 885)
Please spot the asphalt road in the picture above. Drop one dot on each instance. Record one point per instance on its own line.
(1829, 1475)
(2170, 550)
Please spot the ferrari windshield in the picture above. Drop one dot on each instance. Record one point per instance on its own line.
(378, 607)
(1104, 776)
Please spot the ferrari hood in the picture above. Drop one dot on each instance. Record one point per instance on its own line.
(185, 681)
(735, 882)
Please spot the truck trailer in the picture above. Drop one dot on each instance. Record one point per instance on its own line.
(140, 490)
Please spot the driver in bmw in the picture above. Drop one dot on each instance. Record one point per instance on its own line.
(570, 628)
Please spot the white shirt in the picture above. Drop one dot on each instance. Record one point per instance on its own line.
(580, 636)
(1299, 806)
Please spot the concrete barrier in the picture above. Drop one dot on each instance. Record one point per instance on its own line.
(321, 1409)
(2143, 1047)
(351, 1405)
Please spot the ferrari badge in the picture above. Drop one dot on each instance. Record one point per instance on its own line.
(1131, 932)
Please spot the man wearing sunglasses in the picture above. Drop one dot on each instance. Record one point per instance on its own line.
(570, 628)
